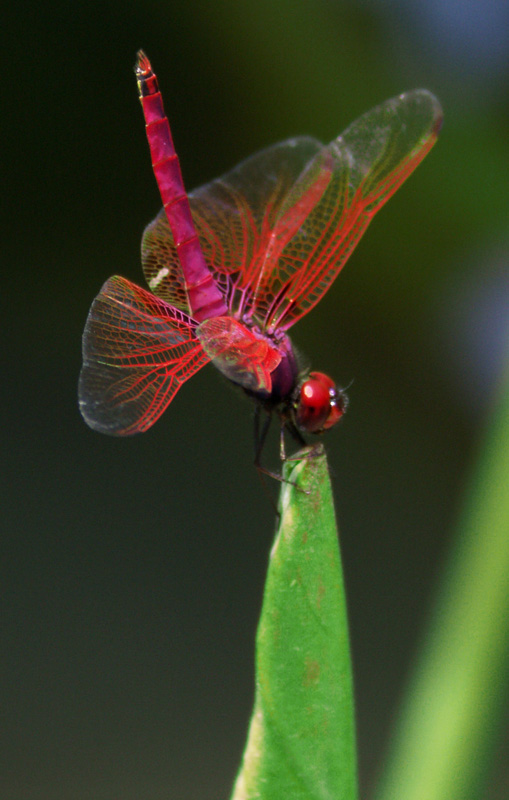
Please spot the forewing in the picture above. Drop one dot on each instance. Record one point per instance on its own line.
(278, 228)
(366, 164)
(161, 266)
(137, 352)
(234, 216)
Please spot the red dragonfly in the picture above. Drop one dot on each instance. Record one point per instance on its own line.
(235, 264)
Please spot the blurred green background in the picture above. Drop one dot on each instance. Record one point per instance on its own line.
(133, 569)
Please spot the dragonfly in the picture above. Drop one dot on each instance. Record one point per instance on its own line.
(233, 265)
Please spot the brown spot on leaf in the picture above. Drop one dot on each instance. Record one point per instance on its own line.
(312, 672)
(320, 593)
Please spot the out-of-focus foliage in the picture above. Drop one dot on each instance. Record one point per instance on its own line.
(450, 723)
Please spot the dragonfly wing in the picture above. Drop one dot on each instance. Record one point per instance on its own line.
(277, 229)
(366, 164)
(234, 216)
(137, 352)
(161, 265)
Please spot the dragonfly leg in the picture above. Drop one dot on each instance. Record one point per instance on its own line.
(260, 435)
(311, 451)
(295, 433)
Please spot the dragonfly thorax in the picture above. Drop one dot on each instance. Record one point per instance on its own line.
(285, 377)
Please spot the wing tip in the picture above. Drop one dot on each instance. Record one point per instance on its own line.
(436, 111)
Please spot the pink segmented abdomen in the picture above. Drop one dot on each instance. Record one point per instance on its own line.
(205, 298)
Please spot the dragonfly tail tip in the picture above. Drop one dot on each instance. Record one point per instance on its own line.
(142, 66)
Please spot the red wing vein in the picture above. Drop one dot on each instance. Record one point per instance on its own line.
(137, 352)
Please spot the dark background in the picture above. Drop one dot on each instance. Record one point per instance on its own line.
(133, 569)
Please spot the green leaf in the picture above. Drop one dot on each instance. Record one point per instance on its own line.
(301, 742)
(446, 733)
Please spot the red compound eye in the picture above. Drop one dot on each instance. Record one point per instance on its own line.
(321, 404)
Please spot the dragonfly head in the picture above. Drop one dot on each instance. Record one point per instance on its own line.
(320, 403)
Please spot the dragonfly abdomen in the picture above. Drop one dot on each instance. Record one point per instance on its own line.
(205, 298)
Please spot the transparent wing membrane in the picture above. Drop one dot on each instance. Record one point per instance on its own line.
(137, 352)
(277, 230)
